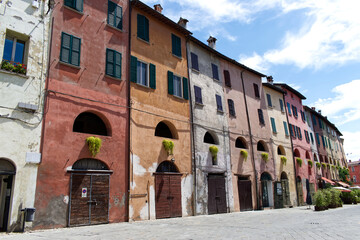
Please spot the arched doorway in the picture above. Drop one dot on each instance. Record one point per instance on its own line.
(89, 192)
(285, 189)
(267, 190)
(167, 190)
(7, 172)
(300, 194)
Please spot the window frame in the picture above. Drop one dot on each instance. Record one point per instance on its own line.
(219, 105)
(227, 78)
(15, 40)
(147, 73)
(213, 67)
(281, 102)
(115, 15)
(261, 117)
(268, 98)
(194, 59)
(143, 34)
(72, 4)
(198, 97)
(231, 106)
(181, 88)
(70, 49)
(286, 128)
(288, 108)
(176, 46)
(114, 63)
(256, 90)
(273, 125)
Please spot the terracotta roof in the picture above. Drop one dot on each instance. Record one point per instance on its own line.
(287, 87)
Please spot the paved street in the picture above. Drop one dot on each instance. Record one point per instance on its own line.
(295, 223)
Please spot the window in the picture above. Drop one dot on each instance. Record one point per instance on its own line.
(286, 128)
(142, 73)
(329, 143)
(177, 86)
(320, 123)
(261, 117)
(14, 55)
(75, 4)
(218, 103)
(113, 63)
(312, 138)
(261, 146)
(90, 123)
(269, 100)
(142, 27)
(323, 141)
(298, 130)
(294, 110)
(314, 120)
(240, 143)
(306, 133)
(176, 45)
(114, 15)
(256, 90)
(317, 139)
(281, 105)
(210, 138)
(227, 78)
(215, 71)
(354, 178)
(194, 61)
(198, 97)
(70, 49)
(302, 115)
(273, 125)
(289, 109)
(163, 130)
(231, 107)
(352, 169)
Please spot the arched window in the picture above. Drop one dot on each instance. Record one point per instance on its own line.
(296, 153)
(88, 122)
(281, 150)
(315, 158)
(265, 177)
(210, 138)
(240, 143)
(284, 176)
(164, 130)
(307, 155)
(261, 146)
(89, 164)
(167, 166)
(6, 167)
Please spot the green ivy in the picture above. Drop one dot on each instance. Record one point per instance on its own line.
(94, 145)
(169, 146)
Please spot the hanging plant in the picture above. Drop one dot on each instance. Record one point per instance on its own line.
(169, 146)
(244, 154)
(333, 166)
(328, 165)
(94, 144)
(265, 157)
(338, 167)
(283, 160)
(214, 150)
(318, 165)
(299, 161)
(311, 164)
(323, 165)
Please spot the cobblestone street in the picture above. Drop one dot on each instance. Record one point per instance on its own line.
(295, 223)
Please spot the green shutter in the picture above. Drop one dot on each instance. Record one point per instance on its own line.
(185, 88)
(170, 83)
(140, 26)
(117, 63)
(79, 5)
(118, 19)
(133, 69)
(111, 13)
(286, 129)
(146, 29)
(273, 125)
(152, 70)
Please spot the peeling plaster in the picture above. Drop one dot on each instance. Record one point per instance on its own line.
(144, 212)
(186, 197)
(152, 202)
(153, 168)
(137, 168)
(131, 213)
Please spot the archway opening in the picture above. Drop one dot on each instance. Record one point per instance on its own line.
(89, 164)
(240, 143)
(296, 153)
(281, 150)
(165, 130)
(210, 138)
(88, 122)
(261, 146)
(167, 166)
(284, 176)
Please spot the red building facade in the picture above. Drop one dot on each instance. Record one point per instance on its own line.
(87, 92)
(354, 170)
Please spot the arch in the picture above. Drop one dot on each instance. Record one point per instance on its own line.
(307, 155)
(241, 143)
(284, 176)
(281, 150)
(265, 176)
(296, 153)
(326, 159)
(211, 138)
(315, 158)
(88, 122)
(89, 164)
(167, 166)
(7, 167)
(298, 179)
(166, 129)
(261, 146)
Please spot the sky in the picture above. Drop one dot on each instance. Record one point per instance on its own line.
(312, 45)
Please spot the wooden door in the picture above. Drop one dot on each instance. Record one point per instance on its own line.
(168, 195)
(278, 195)
(216, 194)
(286, 192)
(245, 195)
(300, 192)
(265, 194)
(99, 199)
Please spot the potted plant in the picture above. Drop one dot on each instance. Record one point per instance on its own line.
(310, 163)
(320, 201)
(283, 160)
(214, 150)
(299, 161)
(323, 165)
(169, 146)
(244, 154)
(265, 157)
(318, 165)
(94, 144)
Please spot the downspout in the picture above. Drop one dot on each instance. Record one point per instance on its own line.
(251, 143)
(129, 115)
(292, 151)
(192, 142)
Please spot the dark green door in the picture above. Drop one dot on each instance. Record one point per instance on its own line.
(265, 194)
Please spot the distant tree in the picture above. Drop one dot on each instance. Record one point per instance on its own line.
(344, 175)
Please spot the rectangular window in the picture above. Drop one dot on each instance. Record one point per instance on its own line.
(142, 73)
(312, 138)
(317, 139)
(269, 100)
(281, 105)
(231, 107)
(14, 55)
(320, 123)
(323, 141)
(294, 111)
(256, 90)
(218, 103)
(114, 15)
(354, 178)
(198, 96)
(294, 129)
(70, 49)
(291, 130)
(261, 117)
(352, 169)
(178, 87)
(289, 109)
(273, 125)
(215, 71)
(306, 133)
(314, 120)
(75, 4)
(142, 27)
(303, 116)
(176, 45)
(227, 78)
(286, 129)
(298, 130)
(329, 143)
(113, 63)
(194, 61)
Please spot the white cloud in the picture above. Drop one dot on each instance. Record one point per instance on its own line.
(351, 145)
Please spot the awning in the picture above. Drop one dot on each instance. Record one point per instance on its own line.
(328, 180)
(343, 184)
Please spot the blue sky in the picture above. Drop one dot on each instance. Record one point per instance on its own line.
(312, 45)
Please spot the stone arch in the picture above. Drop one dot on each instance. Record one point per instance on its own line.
(166, 129)
(241, 143)
(167, 166)
(91, 123)
(281, 150)
(296, 153)
(265, 176)
(89, 164)
(7, 167)
(262, 146)
(211, 138)
(307, 155)
(284, 176)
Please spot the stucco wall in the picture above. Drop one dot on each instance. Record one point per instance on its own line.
(20, 131)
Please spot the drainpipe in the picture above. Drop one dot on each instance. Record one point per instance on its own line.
(292, 151)
(192, 142)
(251, 143)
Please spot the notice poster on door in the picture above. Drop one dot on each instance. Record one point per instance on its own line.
(84, 192)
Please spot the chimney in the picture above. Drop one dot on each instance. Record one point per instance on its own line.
(313, 108)
(212, 42)
(182, 22)
(319, 111)
(270, 79)
(158, 8)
